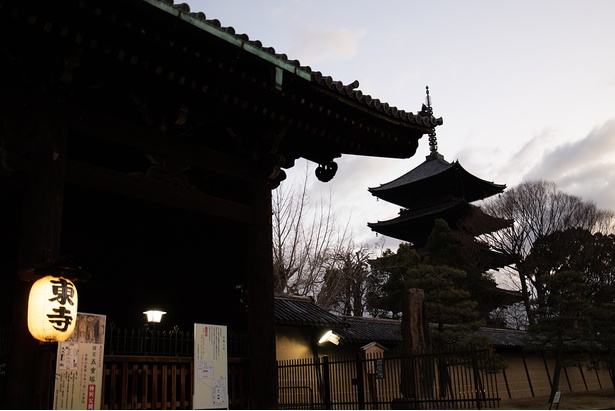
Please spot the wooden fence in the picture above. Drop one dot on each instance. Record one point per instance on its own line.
(147, 383)
(149, 368)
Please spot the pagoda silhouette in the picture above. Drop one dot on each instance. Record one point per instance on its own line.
(439, 189)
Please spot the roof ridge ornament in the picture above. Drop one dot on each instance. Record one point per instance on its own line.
(433, 141)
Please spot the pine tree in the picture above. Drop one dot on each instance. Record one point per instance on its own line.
(449, 306)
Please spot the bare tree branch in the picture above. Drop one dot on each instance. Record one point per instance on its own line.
(538, 208)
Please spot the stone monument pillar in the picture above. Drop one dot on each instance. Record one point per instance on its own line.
(416, 373)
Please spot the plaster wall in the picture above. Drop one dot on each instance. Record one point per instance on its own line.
(292, 343)
(529, 374)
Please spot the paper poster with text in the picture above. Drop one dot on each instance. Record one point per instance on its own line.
(210, 367)
(79, 365)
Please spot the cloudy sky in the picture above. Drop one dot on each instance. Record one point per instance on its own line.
(526, 88)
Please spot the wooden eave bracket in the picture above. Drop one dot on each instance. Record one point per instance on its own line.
(62, 267)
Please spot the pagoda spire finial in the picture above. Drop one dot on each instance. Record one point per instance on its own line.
(428, 100)
(433, 141)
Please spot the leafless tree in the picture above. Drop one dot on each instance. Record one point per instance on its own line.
(539, 208)
(306, 238)
(345, 282)
(513, 316)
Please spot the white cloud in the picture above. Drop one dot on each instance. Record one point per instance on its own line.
(566, 160)
(316, 44)
(531, 154)
(585, 167)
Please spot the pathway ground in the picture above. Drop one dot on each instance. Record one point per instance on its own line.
(588, 400)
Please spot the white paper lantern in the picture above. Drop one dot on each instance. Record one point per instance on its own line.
(52, 309)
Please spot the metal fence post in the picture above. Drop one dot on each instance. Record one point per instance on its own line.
(478, 386)
(360, 382)
(326, 383)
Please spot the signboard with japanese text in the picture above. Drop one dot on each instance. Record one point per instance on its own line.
(210, 367)
(79, 365)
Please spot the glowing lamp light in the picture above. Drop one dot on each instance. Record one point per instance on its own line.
(329, 336)
(154, 316)
(52, 309)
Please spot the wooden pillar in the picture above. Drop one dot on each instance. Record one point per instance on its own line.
(39, 243)
(263, 378)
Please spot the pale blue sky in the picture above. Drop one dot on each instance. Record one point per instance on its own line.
(526, 88)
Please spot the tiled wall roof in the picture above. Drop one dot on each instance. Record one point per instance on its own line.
(362, 330)
(302, 311)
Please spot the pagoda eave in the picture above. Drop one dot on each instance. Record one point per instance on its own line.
(435, 178)
(415, 226)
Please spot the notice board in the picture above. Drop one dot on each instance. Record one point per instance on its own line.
(79, 365)
(210, 367)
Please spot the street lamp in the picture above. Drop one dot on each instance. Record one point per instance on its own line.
(154, 316)
(331, 337)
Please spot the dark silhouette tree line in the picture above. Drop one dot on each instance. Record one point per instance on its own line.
(538, 209)
(575, 283)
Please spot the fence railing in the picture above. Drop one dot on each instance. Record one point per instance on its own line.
(463, 379)
(148, 341)
(152, 341)
(154, 370)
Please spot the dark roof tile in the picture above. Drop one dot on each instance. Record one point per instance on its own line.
(387, 332)
(349, 90)
(362, 330)
(302, 311)
(503, 338)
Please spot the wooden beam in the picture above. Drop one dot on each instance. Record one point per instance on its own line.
(148, 140)
(150, 190)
